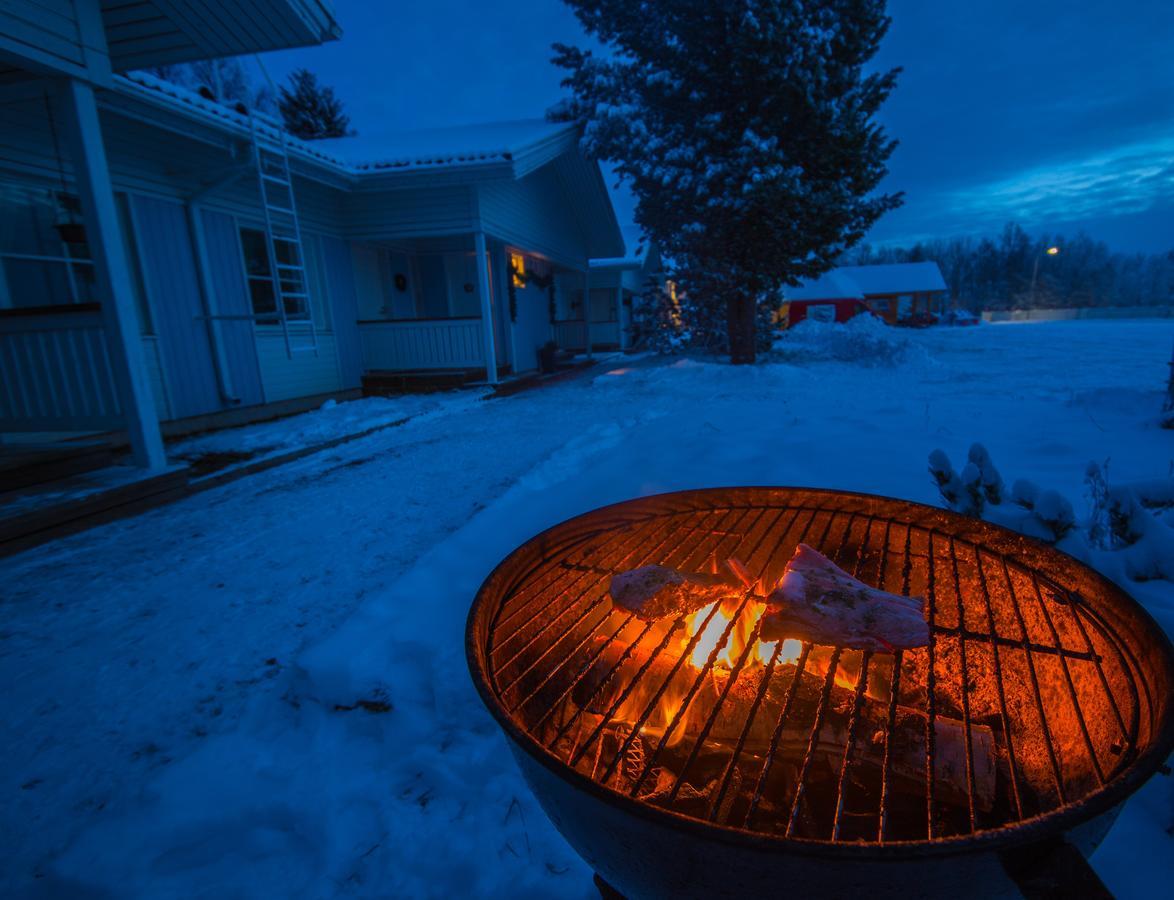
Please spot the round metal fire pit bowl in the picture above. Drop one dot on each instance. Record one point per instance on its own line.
(679, 772)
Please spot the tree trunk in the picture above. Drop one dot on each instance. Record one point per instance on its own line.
(740, 324)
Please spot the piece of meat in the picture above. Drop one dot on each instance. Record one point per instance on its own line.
(658, 592)
(819, 602)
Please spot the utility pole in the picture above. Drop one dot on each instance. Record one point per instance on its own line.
(1051, 251)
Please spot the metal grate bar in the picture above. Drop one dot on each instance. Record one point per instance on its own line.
(825, 695)
(710, 661)
(631, 645)
(963, 680)
(750, 648)
(585, 640)
(697, 681)
(1092, 754)
(971, 635)
(619, 701)
(1036, 695)
(895, 682)
(776, 736)
(930, 688)
(813, 742)
(850, 747)
(768, 673)
(1073, 604)
(1130, 732)
(1012, 766)
(552, 573)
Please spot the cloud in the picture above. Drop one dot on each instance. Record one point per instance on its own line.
(1121, 181)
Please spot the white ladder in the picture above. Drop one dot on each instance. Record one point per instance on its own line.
(283, 237)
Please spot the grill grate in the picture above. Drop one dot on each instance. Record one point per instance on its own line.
(1024, 701)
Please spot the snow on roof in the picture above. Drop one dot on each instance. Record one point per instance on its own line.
(437, 147)
(832, 285)
(860, 281)
(896, 278)
(485, 142)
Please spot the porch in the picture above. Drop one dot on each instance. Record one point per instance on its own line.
(443, 312)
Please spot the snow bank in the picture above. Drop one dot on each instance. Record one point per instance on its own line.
(862, 340)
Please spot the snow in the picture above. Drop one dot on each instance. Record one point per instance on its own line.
(171, 718)
(847, 282)
(483, 142)
(329, 423)
(425, 148)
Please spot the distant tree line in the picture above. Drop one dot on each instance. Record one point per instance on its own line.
(997, 273)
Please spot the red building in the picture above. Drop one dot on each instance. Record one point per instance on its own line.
(899, 293)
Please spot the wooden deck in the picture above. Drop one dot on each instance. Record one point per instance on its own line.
(37, 513)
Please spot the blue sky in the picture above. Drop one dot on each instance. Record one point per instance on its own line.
(1058, 115)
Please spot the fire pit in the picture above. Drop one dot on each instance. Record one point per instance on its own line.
(688, 757)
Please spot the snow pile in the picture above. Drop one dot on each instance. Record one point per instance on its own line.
(862, 340)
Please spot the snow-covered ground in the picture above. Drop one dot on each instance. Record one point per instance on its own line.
(170, 723)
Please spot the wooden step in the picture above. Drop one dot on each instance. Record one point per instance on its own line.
(23, 465)
(25, 523)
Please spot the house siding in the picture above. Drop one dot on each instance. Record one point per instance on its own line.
(301, 375)
(532, 214)
(43, 31)
(169, 276)
(344, 307)
(227, 277)
(380, 215)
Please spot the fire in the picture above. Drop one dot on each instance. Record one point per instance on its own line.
(740, 634)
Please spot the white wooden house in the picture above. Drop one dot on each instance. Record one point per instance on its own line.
(597, 311)
(164, 258)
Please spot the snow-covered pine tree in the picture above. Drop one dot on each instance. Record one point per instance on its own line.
(744, 129)
(311, 110)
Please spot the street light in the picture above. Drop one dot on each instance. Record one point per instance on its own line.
(1051, 251)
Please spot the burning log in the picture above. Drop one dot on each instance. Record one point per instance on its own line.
(819, 602)
(717, 714)
(658, 592)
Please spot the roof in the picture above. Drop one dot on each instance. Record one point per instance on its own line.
(482, 142)
(159, 32)
(858, 282)
(518, 146)
(830, 285)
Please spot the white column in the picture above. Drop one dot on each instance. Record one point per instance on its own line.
(104, 237)
(587, 306)
(486, 306)
(620, 311)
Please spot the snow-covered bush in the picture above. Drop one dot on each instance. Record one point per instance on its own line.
(1055, 513)
(978, 491)
(989, 477)
(1024, 493)
(1131, 523)
(864, 340)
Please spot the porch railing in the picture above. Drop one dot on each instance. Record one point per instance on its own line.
(421, 344)
(55, 373)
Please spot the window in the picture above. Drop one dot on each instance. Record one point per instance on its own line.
(262, 290)
(518, 269)
(44, 257)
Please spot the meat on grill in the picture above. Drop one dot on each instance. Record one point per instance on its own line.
(658, 592)
(819, 602)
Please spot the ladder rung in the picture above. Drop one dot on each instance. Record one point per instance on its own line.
(298, 294)
(290, 268)
(285, 210)
(283, 182)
